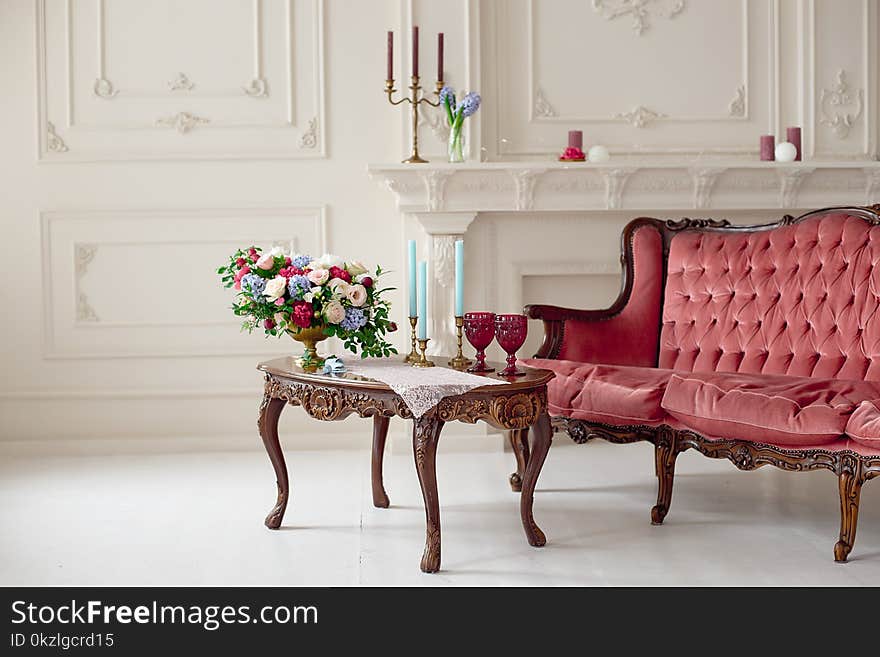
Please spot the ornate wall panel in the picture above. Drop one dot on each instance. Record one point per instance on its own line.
(647, 79)
(136, 284)
(127, 79)
(840, 68)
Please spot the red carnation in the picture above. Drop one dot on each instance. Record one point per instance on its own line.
(302, 314)
(240, 262)
(287, 261)
(366, 281)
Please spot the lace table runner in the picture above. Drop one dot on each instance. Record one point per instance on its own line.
(420, 388)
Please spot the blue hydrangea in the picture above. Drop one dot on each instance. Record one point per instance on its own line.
(301, 261)
(469, 104)
(253, 284)
(354, 319)
(298, 284)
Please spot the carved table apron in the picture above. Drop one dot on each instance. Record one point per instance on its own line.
(517, 407)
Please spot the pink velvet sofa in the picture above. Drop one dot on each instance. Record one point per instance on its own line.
(759, 344)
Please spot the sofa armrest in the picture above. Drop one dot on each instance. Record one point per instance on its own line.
(628, 331)
(554, 318)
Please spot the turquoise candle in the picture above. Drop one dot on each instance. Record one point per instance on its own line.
(413, 310)
(459, 278)
(423, 301)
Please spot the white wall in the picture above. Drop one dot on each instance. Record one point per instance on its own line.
(125, 188)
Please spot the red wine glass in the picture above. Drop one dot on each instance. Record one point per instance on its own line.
(511, 332)
(479, 328)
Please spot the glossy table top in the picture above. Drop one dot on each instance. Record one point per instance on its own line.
(286, 368)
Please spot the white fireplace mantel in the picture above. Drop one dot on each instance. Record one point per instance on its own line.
(628, 185)
(446, 198)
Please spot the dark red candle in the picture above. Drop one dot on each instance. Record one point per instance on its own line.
(440, 56)
(415, 50)
(389, 75)
(768, 148)
(576, 139)
(794, 136)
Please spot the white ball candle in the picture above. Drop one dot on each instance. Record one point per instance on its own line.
(785, 151)
(598, 154)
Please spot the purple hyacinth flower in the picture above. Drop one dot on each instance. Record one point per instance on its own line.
(469, 104)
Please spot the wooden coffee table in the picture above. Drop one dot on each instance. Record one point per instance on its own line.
(518, 406)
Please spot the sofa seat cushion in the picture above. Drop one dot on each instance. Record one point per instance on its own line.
(607, 394)
(777, 409)
(863, 425)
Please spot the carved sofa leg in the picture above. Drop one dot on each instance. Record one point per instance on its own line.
(665, 453)
(850, 480)
(519, 441)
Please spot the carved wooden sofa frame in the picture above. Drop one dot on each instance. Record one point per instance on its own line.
(851, 468)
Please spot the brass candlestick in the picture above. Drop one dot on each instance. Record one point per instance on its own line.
(423, 359)
(414, 101)
(413, 355)
(459, 362)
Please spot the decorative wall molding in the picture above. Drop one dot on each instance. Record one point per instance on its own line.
(525, 180)
(281, 41)
(180, 82)
(737, 107)
(103, 88)
(640, 116)
(54, 143)
(833, 103)
(542, 107)
(615, 181)
(309, 138)
(83, 254)
(256, 88)
(435, 186)
(703, 180)
(641, 11)
(443, 259)
(183, 122)
(872, 185)
(76, 282)
(791, 181)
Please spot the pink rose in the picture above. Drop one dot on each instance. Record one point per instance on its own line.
(357, 295)
(318, 276)
(334, 312)
(266, 262)
(279, 301)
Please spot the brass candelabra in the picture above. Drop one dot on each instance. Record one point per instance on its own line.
(459, 362)
(423, 359)
(413, 355)
(414, 100)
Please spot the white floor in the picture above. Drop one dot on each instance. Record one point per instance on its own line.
(197, 519)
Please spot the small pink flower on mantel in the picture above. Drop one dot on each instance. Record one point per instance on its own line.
(266, 262)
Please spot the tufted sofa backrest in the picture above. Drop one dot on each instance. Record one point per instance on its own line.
(798, 299)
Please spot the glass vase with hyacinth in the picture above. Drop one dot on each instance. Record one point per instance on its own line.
(310, 299)
(455, 116)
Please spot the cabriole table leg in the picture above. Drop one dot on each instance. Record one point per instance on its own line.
(542, 434)
(270, 411)
(426, 433)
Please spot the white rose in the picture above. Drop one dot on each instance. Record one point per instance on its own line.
(276, 251)
(357, 295)
(356, 267)
(334, 312)
(318, 276)
(275, 288)
(338, 286)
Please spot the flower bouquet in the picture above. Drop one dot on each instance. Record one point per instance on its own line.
(310, 299)
(455, 115)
